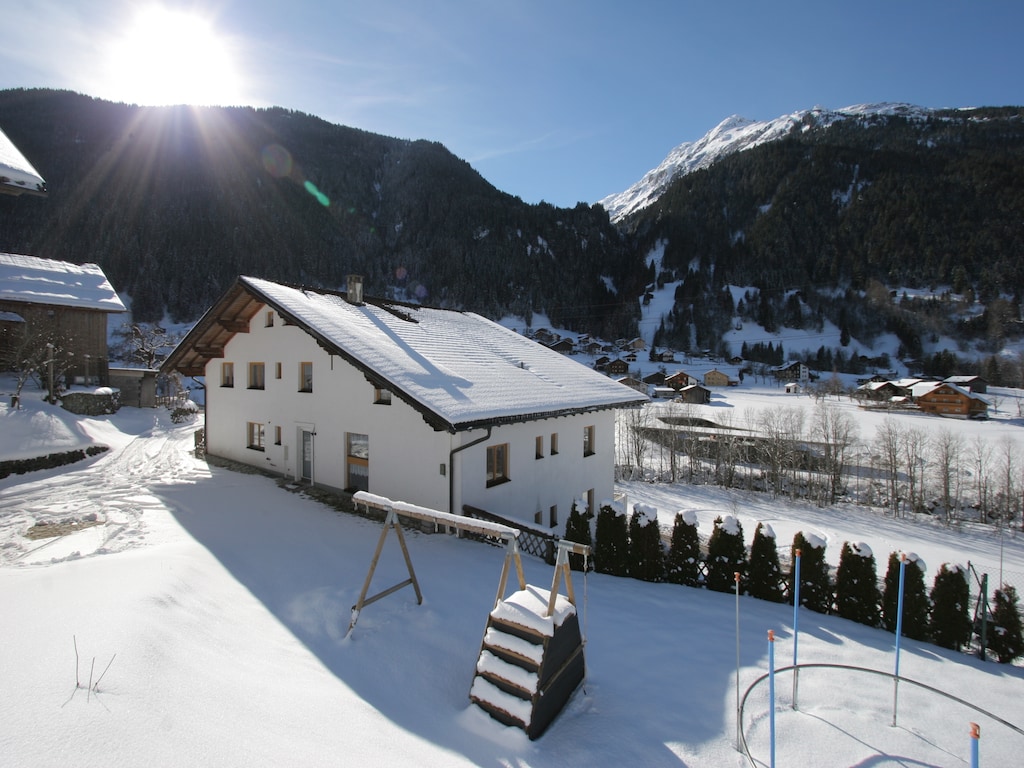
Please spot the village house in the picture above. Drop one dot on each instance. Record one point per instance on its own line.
(716, 378)
(617, 367)
(694, 394)
(946, 399)
(438, 408)
(975, 384)
(43, 301)
(681, 379)
(794, 371)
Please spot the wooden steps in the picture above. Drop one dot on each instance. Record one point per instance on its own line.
(529, 664)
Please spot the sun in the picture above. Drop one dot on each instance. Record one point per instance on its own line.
(167, 57)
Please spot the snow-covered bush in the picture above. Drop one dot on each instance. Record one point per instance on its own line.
(726, 554)
(577, 528)
(764, 574)
(915, 599)
(646, 553)
(611, 548)
(857, 594)
(1006, 637)
(682, 564)
(815, 586)
(950, 622)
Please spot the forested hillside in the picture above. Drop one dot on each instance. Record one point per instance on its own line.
(175, 202)
(827, 221)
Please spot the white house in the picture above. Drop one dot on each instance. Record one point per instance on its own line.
(435, 407)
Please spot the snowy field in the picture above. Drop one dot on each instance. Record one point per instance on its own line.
(214, 605)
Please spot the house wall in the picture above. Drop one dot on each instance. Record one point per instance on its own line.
(408, 459)
(80, 331)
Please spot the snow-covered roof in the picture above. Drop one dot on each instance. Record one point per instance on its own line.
(16, 173)
(457, 368)
(32, 280)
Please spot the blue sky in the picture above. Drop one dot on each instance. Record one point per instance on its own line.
(556, 100)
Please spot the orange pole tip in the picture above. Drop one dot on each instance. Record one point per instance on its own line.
(771, 635)
(975, 731)
(796, 553)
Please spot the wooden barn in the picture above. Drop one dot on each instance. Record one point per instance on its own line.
(43, 301)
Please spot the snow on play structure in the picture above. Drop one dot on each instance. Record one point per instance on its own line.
(531, 657)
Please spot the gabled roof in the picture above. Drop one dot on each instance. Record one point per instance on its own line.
(32, 280)
(17, 176)
(458, 369)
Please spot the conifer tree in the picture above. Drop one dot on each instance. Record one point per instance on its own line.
(646, 554)
(611, 550)
(1006, 637)
(683, 561)
(815, 585)
(950, 623)
(577, 528)
(857, 594)
(764, 574)
(915, 599)
(726, 555)
(682, 564)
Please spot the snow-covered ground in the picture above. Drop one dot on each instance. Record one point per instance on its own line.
(212, 607)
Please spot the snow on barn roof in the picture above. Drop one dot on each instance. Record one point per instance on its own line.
(31, 280)
(16, 173)
(459, 369)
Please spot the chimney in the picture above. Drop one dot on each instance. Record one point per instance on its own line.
(355, 289)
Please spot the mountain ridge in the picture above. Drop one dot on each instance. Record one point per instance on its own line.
(732, 135)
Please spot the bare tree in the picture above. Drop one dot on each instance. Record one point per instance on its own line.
(837, 431)
(946, 450)
(888, 439)
(632, 426)
(1007, 452)
(913, 445)
(145, 343)
(981, 457)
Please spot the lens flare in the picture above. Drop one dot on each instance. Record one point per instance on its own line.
(277, 160)
(320, 196)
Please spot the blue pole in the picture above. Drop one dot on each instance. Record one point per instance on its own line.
(771, 693)
(899, 634)
(975, 737)
(796, 623)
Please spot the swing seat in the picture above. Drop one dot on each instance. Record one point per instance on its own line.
(530, 662)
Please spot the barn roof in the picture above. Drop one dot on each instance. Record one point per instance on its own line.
(460, 370)
(31, 280)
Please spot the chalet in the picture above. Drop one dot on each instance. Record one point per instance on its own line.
(563, 347)
(878, 391)
(629, 381)
(794, 371)
(715, 378)
(681, 379)
(946, 399)
(602, 362)
(694, 393)
(617, 367)
(43, 301)
(975, 384)
(438, 408)
(633, 344)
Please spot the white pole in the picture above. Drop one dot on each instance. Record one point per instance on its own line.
(736, 575)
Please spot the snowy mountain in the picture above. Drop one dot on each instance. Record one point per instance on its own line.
(735, 134)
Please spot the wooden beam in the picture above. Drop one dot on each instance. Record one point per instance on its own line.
(233, 324)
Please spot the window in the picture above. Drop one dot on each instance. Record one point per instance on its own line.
(257, 376)
(269, 322)
(554, 443)
(227, 374)
(588, 441)
(254, 435)
(277, 435)
(357, 461)
(305, 377)
(277, 370)
(539, 453)
(381, 396)
(538, 517)
(553, 516)
(497, 464)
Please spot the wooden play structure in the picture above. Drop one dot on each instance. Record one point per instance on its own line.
(531, 658)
